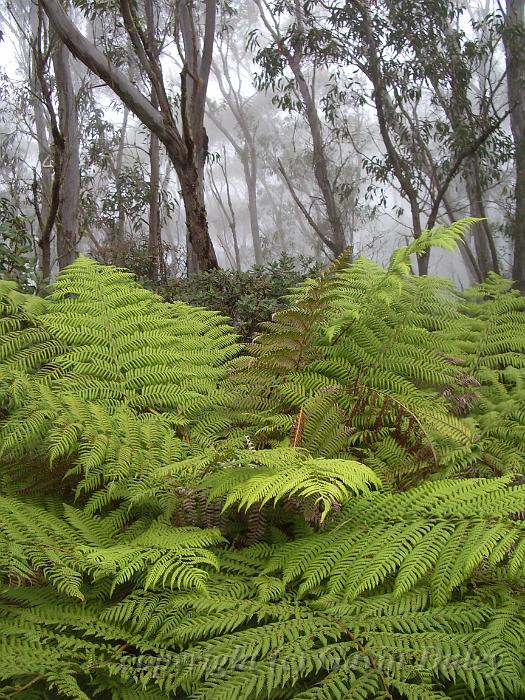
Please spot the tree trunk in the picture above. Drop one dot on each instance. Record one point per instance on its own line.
(229, 214)
(294, 59)
(513, 39)
(481, 234)
(320, 163)
(46, 183)
(468, 257)
(247, 154)
(119, 231)
(201, 254)
(194, 81)
(249, 163)
(154, 234)
(42, 194)
(68, 210)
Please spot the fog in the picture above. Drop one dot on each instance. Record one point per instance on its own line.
(299, 154)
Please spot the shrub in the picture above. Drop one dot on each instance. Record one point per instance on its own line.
(247, 298)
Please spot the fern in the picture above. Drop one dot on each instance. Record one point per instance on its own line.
(439, 532)
(107, 379)
(76, 547)
(272, 475)
(181, 520)
(243, 648)
(365, 356)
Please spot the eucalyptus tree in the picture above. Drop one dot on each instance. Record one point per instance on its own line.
(415, 54)
(289, 66)
(414, 67)
(55, 87)
(45, 187)
(176, 120)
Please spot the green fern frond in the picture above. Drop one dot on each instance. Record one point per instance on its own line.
(371, 352)
(440, 237)
(443, 531)
(257, 478)
(68, 551)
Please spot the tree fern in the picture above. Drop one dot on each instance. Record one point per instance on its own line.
(180, 520)
(360, 348)
(106, 379)
(71, 550)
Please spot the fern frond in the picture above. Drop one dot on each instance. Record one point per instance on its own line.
(441, 530)
(258, 477)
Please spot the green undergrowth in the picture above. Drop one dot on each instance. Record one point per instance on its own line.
(336, 510)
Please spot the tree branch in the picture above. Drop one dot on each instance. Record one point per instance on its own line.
(470, 150)
(301, 206)
(101, 65)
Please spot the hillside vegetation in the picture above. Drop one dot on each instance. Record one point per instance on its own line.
(336, 510)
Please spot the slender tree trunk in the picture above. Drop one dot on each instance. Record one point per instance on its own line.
(468, 257)
(43, 201)
(154, 234)
(246, 151)
(249, 163)
(119, 233)
(42, 193)
(68, 210)
(481, 235)
(229, 214)
(231, 218)
(247, 154)
(321, 164)
(387, 126)
(513, 39)
(337, 242)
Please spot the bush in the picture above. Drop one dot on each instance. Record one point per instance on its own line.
(247, 298)
(17, 259)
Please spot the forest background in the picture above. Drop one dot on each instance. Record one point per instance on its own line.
(180, 137)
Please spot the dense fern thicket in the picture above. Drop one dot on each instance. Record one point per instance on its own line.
(334, 511)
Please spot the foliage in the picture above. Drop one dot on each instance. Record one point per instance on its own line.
(17, 260)
(132, 253)
(181, 520)
(248, 298)
(369, 359)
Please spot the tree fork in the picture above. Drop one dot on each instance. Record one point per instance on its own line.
(161, 123)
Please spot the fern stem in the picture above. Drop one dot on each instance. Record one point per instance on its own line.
(27, 685)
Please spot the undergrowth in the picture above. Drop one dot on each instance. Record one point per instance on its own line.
(336, 510)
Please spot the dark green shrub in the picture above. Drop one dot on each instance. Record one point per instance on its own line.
(17, 259)
(248, 298)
